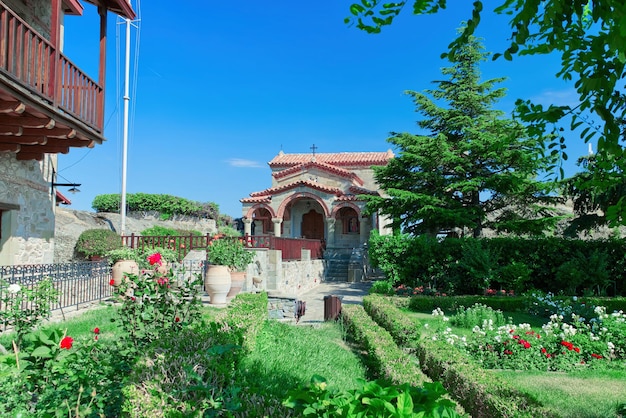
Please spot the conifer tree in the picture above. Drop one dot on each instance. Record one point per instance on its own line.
(471, 168)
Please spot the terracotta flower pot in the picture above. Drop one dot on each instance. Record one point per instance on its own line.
(120, 268)
(217, 283)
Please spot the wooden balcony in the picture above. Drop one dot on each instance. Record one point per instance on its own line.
(47, 104)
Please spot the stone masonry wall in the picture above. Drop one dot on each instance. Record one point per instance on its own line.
(27, 211)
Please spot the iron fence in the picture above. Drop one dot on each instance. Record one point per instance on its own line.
(81, 283)
(77, 283)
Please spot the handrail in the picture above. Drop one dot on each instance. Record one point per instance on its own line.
(30, 59)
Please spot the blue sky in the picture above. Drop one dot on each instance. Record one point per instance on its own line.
(222, 87)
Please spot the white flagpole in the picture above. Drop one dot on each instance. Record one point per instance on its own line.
(125, 133)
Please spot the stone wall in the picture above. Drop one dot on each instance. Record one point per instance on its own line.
(71, 223)
(26, 210)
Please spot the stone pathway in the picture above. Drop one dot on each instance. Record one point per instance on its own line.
(348, 293)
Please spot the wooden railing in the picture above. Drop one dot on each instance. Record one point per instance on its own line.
(30, 59)
(291, 247)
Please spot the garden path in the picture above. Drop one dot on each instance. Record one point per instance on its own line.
(348, 293)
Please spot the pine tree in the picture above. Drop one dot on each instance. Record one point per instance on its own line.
(472, 169)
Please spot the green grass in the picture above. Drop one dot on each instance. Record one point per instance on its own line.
(82, 323)
(287, 356)
(584, 394)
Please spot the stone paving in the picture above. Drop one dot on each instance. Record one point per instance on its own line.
(348, 293)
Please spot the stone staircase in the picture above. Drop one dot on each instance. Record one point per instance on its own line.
(344, 265)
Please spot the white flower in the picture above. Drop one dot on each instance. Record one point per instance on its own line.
(426, 325)
(14, 288)
(574, 298)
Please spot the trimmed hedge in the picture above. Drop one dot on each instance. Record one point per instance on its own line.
(452, 303)
(391, 362)
(469, 265)
(403, 329)
(246, 314)
(481, 393)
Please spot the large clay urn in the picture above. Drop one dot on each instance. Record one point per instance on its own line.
(237, 278)
(123, 266)
(217, 283)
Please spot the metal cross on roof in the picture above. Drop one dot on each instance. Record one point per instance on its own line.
(313, 148)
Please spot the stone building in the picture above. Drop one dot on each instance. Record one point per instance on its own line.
(316, 196)
(47, 106)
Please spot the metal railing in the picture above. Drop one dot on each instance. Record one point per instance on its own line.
(77, 283)
(181, 244)
(33, 61)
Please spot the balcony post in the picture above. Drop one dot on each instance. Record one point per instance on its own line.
(102, 11)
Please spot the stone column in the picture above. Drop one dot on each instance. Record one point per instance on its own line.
(247, 226)
(277, 222)
(330, 232)
(365, 230)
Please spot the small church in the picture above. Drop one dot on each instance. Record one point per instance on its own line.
(317, 196)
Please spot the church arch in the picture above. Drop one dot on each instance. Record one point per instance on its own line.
(302, 195)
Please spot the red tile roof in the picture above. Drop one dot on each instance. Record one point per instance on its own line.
(342, 159)
(258, 199)
(320, 165)
(305, 183)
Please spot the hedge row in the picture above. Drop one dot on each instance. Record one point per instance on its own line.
(166, 204)
(403, 329)
(470, 266)
(246, 314)
(481, 393)
(391, 362)
(450, 304)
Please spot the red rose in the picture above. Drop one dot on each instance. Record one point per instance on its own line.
(66, 343)
(112, 282)
(96, 330)
(154, 259)
(177, 319)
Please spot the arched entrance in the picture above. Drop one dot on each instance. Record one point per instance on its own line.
(312, 225)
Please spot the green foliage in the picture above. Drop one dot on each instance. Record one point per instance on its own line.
(477, 314)
(188, 373)
(246, 314)
(162, 231)
(230, 252)
(590, 39)
(229, 231)
(24, 307)
(96, 242)
(153, 303)
(451, 304)
(480, 393)
(371, 399)
(465, 265)
(167, 254)
(166, 205)
(471, 169)
(403, 329)
(382, 287)
(389, 361)
(122, 253)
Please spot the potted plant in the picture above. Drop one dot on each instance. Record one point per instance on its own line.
(95, 243)
(226, 255)
(124, 260)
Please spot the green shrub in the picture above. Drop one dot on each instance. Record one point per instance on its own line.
(391, 363)
(166, 205)
(371, 399)
(382, 287)
(403, 329)
(229, 252)
(97, 242)
(245, 315)
(476, 315)
(582, 273)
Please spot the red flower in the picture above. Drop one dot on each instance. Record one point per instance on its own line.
(508, 352)
(543, 350)
(112, 282)
(96, 330)
(66, 343)
(576, 349)
(177, 319)
(154, 259)
(598, 356)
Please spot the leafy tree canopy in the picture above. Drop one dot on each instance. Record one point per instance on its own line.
(590, 37)
(473, 169)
